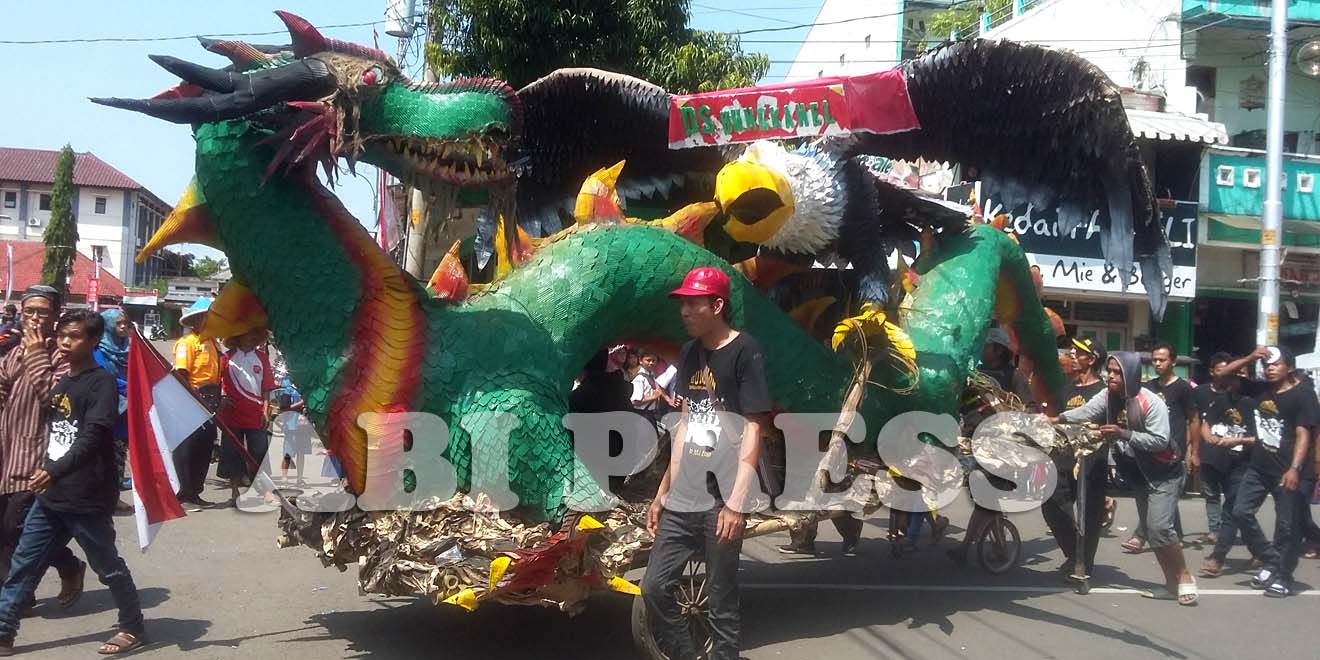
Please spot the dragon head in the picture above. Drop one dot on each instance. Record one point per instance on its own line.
(326, 99)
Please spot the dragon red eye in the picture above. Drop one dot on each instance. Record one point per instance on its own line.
(372, 76)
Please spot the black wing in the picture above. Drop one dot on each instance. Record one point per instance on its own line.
(1044, 127)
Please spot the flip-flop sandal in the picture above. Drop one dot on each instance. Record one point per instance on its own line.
(1188, 593)
(122, 643)
(1133, 546)
(1212, 570)
(1312, 553)
(69, 599)
(1111, 509)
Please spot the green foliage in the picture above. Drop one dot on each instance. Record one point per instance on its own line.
(206, 266)
(160, 285)
(962, 20)
(519, 41)
(61, 236)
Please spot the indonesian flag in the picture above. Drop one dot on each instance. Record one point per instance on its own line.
(161, 414)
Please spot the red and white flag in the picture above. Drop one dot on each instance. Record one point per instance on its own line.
(161, 414)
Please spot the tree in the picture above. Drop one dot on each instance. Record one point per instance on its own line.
(206, 266)
(962, 20)
(61, 236)
(519, 41)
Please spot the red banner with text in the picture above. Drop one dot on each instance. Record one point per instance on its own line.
(871, 103)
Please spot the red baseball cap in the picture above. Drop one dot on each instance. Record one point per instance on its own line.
(704, 281)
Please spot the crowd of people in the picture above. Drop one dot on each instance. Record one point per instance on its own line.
(1243, 440)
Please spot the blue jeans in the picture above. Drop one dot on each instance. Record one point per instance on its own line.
(677, 537)
(45, 533)
(1280, 557)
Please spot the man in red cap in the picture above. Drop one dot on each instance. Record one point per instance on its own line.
(711, 482)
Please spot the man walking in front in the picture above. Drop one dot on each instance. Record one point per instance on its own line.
(1137, 422)
(77, 487)
(711, 483)
(1281, 467)
(198, 361)
(28, 373)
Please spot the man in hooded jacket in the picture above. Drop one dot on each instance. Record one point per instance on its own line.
(1137, 422)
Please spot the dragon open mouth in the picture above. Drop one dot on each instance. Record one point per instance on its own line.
(474, 161)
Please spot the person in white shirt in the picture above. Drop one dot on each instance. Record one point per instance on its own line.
(647, 392)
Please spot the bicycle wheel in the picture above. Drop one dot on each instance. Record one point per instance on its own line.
(693, 602)
(1000, 547)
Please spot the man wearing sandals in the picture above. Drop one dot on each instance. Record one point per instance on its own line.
(1228, 431)
(1137, 422)
(1281, 467)
(77, 488)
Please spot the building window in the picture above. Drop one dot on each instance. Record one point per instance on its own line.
(1224, 176)
(1305, 182)
(1251, 177)
(43, 202)
(100, 205)
(98, 254)
(11, 199)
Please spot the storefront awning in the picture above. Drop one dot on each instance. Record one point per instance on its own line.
(1245, 229)
(1177, 127)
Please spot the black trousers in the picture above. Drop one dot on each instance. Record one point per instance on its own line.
(192, 460)
(1058, 509)
(1228, 484)
(677, 538)
(15, 507)
(1280, 556)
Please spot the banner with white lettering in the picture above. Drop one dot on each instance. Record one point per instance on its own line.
(1076, 261)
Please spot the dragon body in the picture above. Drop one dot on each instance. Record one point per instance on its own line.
(361, 336)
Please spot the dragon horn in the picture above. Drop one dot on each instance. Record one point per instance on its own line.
(243, 55)
(212, 79)
(306, 39)
(297, 81)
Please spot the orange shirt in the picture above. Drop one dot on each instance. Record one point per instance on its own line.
(200, 358)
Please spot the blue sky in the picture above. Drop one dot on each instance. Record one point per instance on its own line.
(45, 99)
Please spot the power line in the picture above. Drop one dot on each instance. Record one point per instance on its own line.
(742, 13)
(93, 40)
(840, 21)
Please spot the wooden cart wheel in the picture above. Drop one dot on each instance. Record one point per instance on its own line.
(694, 604)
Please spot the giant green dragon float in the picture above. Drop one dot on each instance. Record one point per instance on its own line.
(360, 335)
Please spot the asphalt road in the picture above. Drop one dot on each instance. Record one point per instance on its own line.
(215, 586)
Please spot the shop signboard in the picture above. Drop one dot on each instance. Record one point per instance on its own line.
(1075, 261)
(871, 103)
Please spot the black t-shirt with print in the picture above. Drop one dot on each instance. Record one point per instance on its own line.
(1228, 415)
(1178, 399)
(1075, 396)
(80, 452)
(1277, 417)
(737, 373)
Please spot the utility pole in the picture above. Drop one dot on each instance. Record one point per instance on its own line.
(414, 258)
(1271, 235)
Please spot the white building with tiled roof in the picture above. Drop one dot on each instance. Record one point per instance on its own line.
(116, 215)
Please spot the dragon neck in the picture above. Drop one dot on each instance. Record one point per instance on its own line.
(349, 322)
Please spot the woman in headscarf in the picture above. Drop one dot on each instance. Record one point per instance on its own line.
(112, 355)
